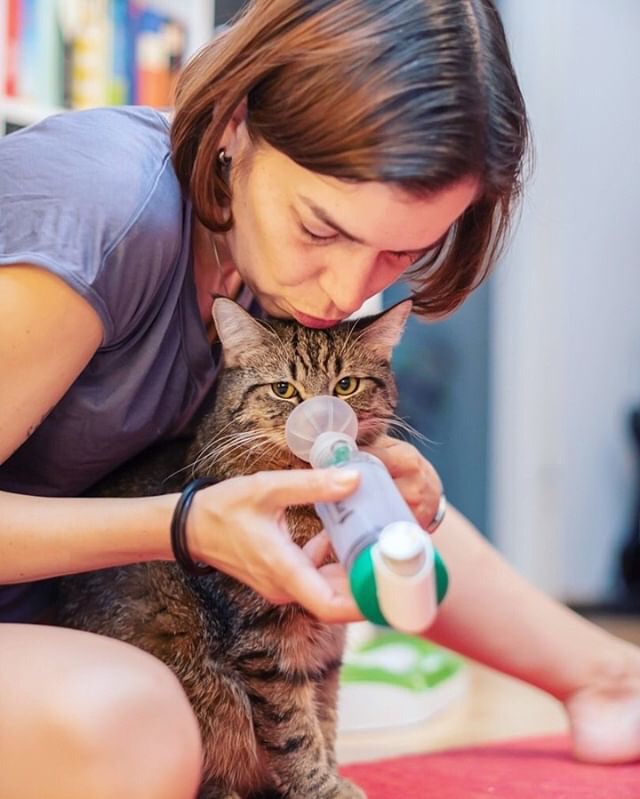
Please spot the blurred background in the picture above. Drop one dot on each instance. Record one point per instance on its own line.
(527, 393)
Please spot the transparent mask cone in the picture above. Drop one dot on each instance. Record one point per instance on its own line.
(321, 414)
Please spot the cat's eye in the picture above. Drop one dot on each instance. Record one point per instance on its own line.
(346, 386)
(284, 390)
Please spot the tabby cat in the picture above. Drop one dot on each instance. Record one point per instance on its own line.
(262, 679)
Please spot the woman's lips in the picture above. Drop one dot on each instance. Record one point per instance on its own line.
(314, 321)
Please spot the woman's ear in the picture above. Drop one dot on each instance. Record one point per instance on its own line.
(235, 134)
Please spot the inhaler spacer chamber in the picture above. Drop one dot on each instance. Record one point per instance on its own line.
(396, 576)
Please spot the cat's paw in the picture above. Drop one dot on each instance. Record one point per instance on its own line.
(347, 790)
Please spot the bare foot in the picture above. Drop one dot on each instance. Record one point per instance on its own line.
(605, 716)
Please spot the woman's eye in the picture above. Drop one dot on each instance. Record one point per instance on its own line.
(317, 237)
(346, 386)
(284, 390)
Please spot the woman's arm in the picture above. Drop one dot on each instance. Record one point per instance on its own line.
(48, 334)
(46, 537)
(493, 615)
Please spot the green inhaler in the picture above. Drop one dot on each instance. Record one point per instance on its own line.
(397, 577)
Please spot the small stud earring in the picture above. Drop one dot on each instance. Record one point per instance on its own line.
(224, 159)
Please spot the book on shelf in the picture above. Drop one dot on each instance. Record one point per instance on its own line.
(84, 53)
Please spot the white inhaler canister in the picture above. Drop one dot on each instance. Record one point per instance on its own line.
(396, 576)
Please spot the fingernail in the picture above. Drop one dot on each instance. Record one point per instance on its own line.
(345, 477)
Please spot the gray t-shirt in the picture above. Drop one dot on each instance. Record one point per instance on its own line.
(92, 197)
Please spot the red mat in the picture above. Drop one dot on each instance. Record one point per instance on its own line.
(532, 768)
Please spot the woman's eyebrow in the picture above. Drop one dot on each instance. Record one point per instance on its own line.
(324, 217)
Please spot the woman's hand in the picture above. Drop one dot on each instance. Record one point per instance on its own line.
(238, 526)
(417, 480)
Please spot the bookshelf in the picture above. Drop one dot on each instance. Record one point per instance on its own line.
(197, 18)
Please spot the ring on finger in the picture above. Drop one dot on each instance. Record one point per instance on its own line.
(439, 514)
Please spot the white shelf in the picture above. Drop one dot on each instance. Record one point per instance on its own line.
(22, 112)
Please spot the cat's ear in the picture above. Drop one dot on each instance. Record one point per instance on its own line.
(239, 333)
(382, 333)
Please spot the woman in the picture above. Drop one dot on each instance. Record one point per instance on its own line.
(319, 151)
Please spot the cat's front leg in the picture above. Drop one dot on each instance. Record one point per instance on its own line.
(326, 700)
(326, 703)
(292, 743)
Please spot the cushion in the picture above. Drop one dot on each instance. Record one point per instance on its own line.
(531, 768)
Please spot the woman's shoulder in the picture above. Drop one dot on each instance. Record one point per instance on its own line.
(92, 195)
(115, 128)
(110, 156)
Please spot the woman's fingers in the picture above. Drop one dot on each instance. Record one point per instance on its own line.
(318, 548)
(278, 490)
(336, 576)
(414, 476)
(329, 600)
(261, 553)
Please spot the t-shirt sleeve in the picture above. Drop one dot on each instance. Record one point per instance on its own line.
(91, 197)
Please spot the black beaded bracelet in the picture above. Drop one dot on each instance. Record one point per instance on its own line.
(179, 528)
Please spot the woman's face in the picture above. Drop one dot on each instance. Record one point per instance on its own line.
(314, 247)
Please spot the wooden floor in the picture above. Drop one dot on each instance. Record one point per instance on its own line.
(493, 708)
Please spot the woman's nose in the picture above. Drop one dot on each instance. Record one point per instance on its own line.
(350, 281)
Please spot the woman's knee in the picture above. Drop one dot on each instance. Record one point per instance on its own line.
(116, 722)
(134, 714)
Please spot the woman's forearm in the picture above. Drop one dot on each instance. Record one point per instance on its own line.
(46, 537)
(494, 616)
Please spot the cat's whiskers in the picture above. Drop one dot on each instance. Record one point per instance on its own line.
(398, 423)
(219, 437)
(266, 454)
(227, 442)
(257, 440)
(215, 450)
(194, 463)
(247, 462)
(236, 438)
(271, 443)
(227, 453)
(408, 431)
(233, 436)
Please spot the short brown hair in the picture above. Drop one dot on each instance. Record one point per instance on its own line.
(419, 93)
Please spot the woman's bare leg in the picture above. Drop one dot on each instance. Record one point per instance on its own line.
(496, 617)
(86, 716)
